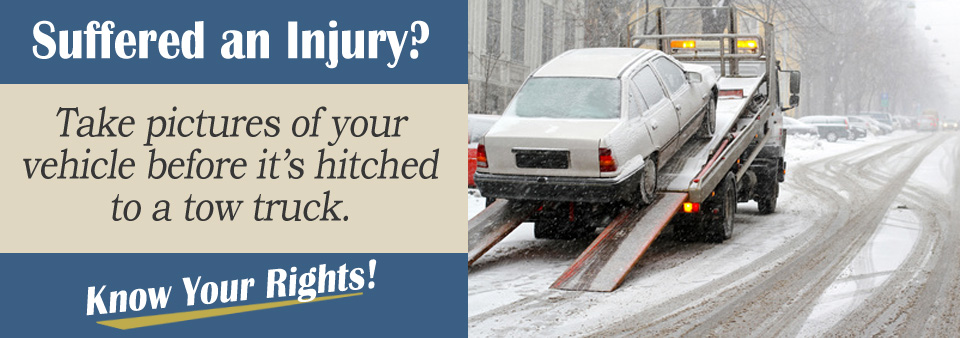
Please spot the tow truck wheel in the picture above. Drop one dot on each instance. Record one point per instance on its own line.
(709, 125)
(769, 190)
(557, 229)
(720, 227)
(648, 181)
(560, 222)
(832, 137)
(686, 227)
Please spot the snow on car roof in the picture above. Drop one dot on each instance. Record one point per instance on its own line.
(592, 62)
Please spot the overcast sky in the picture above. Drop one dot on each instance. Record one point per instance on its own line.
(943, 18)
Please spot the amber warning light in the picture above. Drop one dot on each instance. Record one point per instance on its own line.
(683, 44)
(747, 44)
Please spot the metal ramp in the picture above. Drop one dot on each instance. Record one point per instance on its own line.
(491, 225)
(605, 263)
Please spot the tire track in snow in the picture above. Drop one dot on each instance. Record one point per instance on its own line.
(773, 295)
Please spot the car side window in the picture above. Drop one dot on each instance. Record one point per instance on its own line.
(637, 105)
(673, 76)
(649, 87)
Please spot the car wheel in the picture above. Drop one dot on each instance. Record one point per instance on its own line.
(709, 124)
(720, 227)
(648, 181)
(832, 137)
(852, 136)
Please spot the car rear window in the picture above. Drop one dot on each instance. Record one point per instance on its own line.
(567, 97)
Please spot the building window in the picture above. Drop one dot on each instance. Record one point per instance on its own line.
(493, 27)
(569, 32)
(548, 21)
(516, 33)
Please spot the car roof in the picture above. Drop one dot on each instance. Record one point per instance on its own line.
(593, 62)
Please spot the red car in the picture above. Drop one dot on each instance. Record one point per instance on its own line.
(477, 126)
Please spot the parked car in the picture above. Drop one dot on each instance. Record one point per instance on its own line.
(595, 125)
(477, 125)
(884, 118)
(906, 122)
(831, 128)
(927, 123)
(860, 127)
(795, 127)
(950, 125)
(882, 128)
(876, 127)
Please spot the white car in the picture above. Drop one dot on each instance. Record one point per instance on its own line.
(795, 127)
(594, 125)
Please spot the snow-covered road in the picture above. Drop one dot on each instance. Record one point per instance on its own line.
(865, 241)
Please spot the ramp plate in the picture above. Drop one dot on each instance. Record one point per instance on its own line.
(491, 225)
(606, 262)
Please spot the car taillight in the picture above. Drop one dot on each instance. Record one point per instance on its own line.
(607, 163)
(481, 156)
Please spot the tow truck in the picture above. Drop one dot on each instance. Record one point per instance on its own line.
(703, 183)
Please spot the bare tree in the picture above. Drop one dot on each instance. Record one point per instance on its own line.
(489, 65)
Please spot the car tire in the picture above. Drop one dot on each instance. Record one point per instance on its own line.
(709, 125)
(832, 137)
(852, 136)
(719, 226)
(648, 181)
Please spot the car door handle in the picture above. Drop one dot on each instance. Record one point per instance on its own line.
(654, 125)
(679, 108)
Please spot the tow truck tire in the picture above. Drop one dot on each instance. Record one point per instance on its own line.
(719, 226)
(558, 229)
(832, 137)
(769, 191)
(648, 181)
(555, 223)
(686, 228)
(709, 124)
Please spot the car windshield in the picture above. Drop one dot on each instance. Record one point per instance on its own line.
(564, 97)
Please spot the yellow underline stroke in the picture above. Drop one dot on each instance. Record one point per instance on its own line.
(137, 322)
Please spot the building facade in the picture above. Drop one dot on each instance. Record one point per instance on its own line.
(508, 39)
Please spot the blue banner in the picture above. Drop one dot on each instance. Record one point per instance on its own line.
(49, 295)
(367, 42)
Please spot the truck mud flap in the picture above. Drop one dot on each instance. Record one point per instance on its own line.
(605, 263)
(491, 225)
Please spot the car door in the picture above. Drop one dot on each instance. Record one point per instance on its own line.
(686, 101)
(660, 119)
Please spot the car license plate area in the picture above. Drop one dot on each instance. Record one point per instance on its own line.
(543, 159)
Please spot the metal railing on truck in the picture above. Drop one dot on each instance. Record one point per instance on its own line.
(727, 47)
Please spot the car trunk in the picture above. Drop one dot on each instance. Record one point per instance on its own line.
(546, 147)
